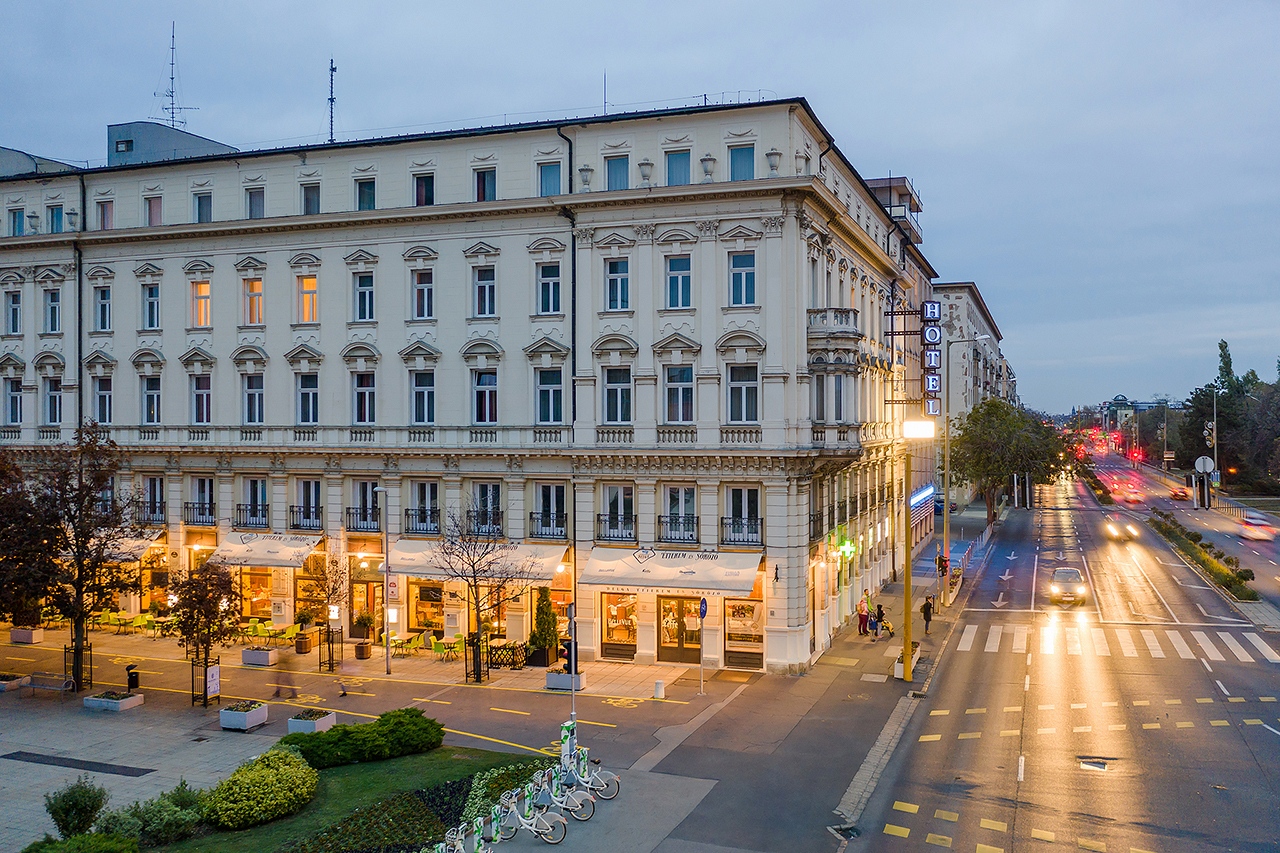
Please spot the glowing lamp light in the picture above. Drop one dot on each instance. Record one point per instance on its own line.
(560, 569)
(364, 564)
(333, 611)
(393, 614)
(173, 600)
(919, 429)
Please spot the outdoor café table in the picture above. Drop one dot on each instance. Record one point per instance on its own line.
(161, 626)
(399, 642)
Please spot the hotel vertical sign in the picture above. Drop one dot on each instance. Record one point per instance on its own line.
(931, 358)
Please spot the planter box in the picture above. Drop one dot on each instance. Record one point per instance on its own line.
(302, 644)
(22, 681)
(243, 721)
(99, 704)
(26, 636)
(915, 659)
(542, 657)
(321, 725)
(565, 681)
(364, 650)
(259, 657)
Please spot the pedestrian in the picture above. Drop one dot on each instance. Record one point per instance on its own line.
(874, 626)
(926, 610)
(863, 615)
(879, 619)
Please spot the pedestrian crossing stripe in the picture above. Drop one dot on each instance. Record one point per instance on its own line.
(1077, 641)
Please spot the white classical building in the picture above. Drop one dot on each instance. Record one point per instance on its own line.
(648, 348)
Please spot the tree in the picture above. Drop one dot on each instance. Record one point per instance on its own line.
(205, 612)
(996, 440)
(330, 585)
(76, 483)
(546, 628)
(27, 568)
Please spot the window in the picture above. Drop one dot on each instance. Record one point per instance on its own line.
(13, 312)
(310, 199)
(308, 299)
(422, 299)
(150, 306)
(742, 162)
(253, 302)
(679, 281)
(550, 396)
(150, 400)
(124, 146)
(253, 398)
(422, 386)
(742, 526)
(202, 399)
(617, 285)
(202, 204)
(548, 179)
(362, 284)
(364, 399)
(820, 398)
(680, 394)
(486, 288)
(744, 392)
(423, 514)
(255, 202)
(102, 309)
(152, 209)
(53, 401)
(255, 498)
(617, 173)
(153, 498)
(549, 517)
(837, 397)
(619, 513)
(487, 517)
(424, 190)
(53, 218)
(548, 288)
(681, 522)
(53, 311)
(744, 503)
(308, 398)
(617, 395)
(106, 215)
(102, 399)
(13, 401)
(365, 194)
(742, 278)
(202, 494)
(678, 168)
(309, 500)
(486, 184)
(17, 222)
(201, 316)
(484, 384)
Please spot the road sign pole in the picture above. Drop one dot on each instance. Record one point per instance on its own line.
(702, 614)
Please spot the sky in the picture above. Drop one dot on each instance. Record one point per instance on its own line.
(1108, 173)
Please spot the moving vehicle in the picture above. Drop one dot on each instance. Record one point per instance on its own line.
(1132, 496)
(1179, 493)
(1257, 526)
(1119, 528)
(1067, 586)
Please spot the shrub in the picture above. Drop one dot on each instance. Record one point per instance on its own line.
(1245, 575)
(397, 823)
(488, 786)
(184, 796)
(275, 784)
(84, 843)
(122, 822)
(75, 807)
(172, 816)
(404, 731)
(448, 800)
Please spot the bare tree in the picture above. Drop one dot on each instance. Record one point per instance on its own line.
(206, 613)
(330, 584)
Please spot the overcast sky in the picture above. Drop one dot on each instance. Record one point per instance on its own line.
(1106, 172)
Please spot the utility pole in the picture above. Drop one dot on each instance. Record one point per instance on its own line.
(333, 69)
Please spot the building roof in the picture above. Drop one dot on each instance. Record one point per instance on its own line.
(975, 295)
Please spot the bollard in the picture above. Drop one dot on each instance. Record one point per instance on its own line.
(659, 689)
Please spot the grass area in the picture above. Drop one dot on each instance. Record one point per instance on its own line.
(344, 789)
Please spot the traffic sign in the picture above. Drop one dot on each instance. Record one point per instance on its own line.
(702, 609)
(1204, 464)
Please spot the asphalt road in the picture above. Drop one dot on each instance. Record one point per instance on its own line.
(1144, 719)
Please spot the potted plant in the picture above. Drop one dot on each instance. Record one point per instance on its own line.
(113, 700)
(362, 626)
(26, 628)
(303, 642)
(559, 678)
(544, 643)
(258, 656)
(12, 681)
(243, 716)
(312, 720)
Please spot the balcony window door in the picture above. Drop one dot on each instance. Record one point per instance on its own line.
(679, 394)
(423, 401)
(550, 396)
(619, 512)
(487, 515)
(681, 524)
(549, 515)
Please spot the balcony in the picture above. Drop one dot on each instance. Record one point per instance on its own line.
(49, 433)
(905, 215)
(251, 433)
(362, 435)
(305, 518)
(199, 514)
(740, 435)
(815, 526)
(678, 528)
(364, 519)
(484, 522)
(615, 528)
(10, 433)
(548, 435)
(422, 520)
(197, 434)
(740, 531)
(615, 435)
(149, 513)
(548, 525)
(253, 516)
(678, 434)
(833, 326)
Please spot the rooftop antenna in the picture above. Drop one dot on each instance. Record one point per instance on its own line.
(333, 69)
(172, 109)
(606, 91)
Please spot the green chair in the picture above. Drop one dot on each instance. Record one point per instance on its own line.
(441, 650)
(149, 624)
(289, 634)
(459, 646)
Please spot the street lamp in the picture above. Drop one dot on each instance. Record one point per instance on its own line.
(386, 580)
(910, 430)
(945, 583)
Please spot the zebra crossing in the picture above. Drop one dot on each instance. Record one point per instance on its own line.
(1157, 643)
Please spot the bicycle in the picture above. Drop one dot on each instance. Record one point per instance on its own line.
(580, 804)
(546, 825)
(602, 783)
(455, 839)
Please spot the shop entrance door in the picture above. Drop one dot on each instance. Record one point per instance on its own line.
(366, 596)
(679, 637)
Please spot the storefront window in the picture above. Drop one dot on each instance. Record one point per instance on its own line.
(496, 616)
(155, 582)
(426, 606)
(561, 598)
(255, 592)
(309, 584)
(744, 629)
(366, 587)
(619, 611)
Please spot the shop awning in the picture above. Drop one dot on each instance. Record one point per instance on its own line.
(704, 573)
(421, 558)
(131, 550)
(268, 550)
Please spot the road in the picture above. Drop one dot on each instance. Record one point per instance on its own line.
(1144, 719)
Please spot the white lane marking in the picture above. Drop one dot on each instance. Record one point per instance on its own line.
(1035, 573)
(1046, 640)
(1126, 643)
(1267, 651)
(1224, 690)
(1100, 647)
(993, 639)
(966, 639)
(1268, 728)
(1026, 683)
(1019, 639)
(1236, 648)
(1022, 763)
(1180, 645)
(1206, 664)
(1153, 589)
(1153, 645)
(1210, 650)
(1073, 640)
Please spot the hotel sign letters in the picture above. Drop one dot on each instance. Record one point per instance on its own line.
(930, 357)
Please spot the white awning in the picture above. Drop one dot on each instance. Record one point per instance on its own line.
(420, 558)
(268, 550)
(704, 573)
(131, 550)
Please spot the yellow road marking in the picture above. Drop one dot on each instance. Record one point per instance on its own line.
(1079, 729)
(976, 711)
(605, 725)
(927, 738)
(480, 737)
(353, 693)
(900, 831)
(1110, 704)
(1253, 722)
(938, 840)
(1042, 835)
(14, 657)
(1266, 698)
(1116, 727)
(1138, 850)
(909, 808)
(1090, 844)
(1046, 707)
(1075, 706)
(938, 713)
(1186, 724)
(1013, 709)
(997, 825)
(1173, 701)
(1205, 701)
(1151, 725)
(987, 848)
(434, 701)
(1048, 731)
(509, 711)
(1141, 703)
(1219, 723)
(942, 814)
(1236, 699)
(1008, 733)
(969, 735)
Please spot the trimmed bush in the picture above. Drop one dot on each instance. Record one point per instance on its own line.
(1203, 554)
(170, 817)
(75, 807)
(275, 784)
(489, 785)
(84, 843)
(404, 731)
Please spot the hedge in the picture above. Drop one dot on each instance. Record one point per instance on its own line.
(275, 784)
(404, 731)
(488, 786)
(85, 843)
(172, 816)
(1204, 554)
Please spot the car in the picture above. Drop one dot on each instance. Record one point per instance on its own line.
(1119, 528)
(1067, 585)
(1178, 493)
(1257, 526)
(1132, 496)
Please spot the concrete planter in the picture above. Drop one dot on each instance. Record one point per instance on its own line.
(100, 703)
(243, 721)
(321, 725)
(259, 657)
(26, 636)
(915, 659)
(20, 681)
(565, 681)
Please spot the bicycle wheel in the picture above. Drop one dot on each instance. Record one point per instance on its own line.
(585, 809)
(554, 829)
(606, 789)
(508, 829)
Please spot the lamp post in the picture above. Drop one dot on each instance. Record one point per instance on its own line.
(945, 583)
(386, 580)
(910, 430)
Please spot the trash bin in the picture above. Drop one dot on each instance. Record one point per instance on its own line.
(131, 673)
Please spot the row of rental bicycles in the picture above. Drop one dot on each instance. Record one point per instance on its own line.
(543, 805)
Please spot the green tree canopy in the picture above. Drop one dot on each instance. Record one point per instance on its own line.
(996, 440)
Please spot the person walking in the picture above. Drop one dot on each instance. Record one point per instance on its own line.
(863, 615)
(926, 610)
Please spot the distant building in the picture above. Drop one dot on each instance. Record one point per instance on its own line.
(15, 162)
(151, 142)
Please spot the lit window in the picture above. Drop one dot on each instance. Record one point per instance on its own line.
(308, 299)
(253, 302)
(201, 313)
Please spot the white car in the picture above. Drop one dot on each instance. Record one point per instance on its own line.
(1257, 526)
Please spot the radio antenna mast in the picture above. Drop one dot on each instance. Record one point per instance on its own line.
(333, 69)
(172, 109)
